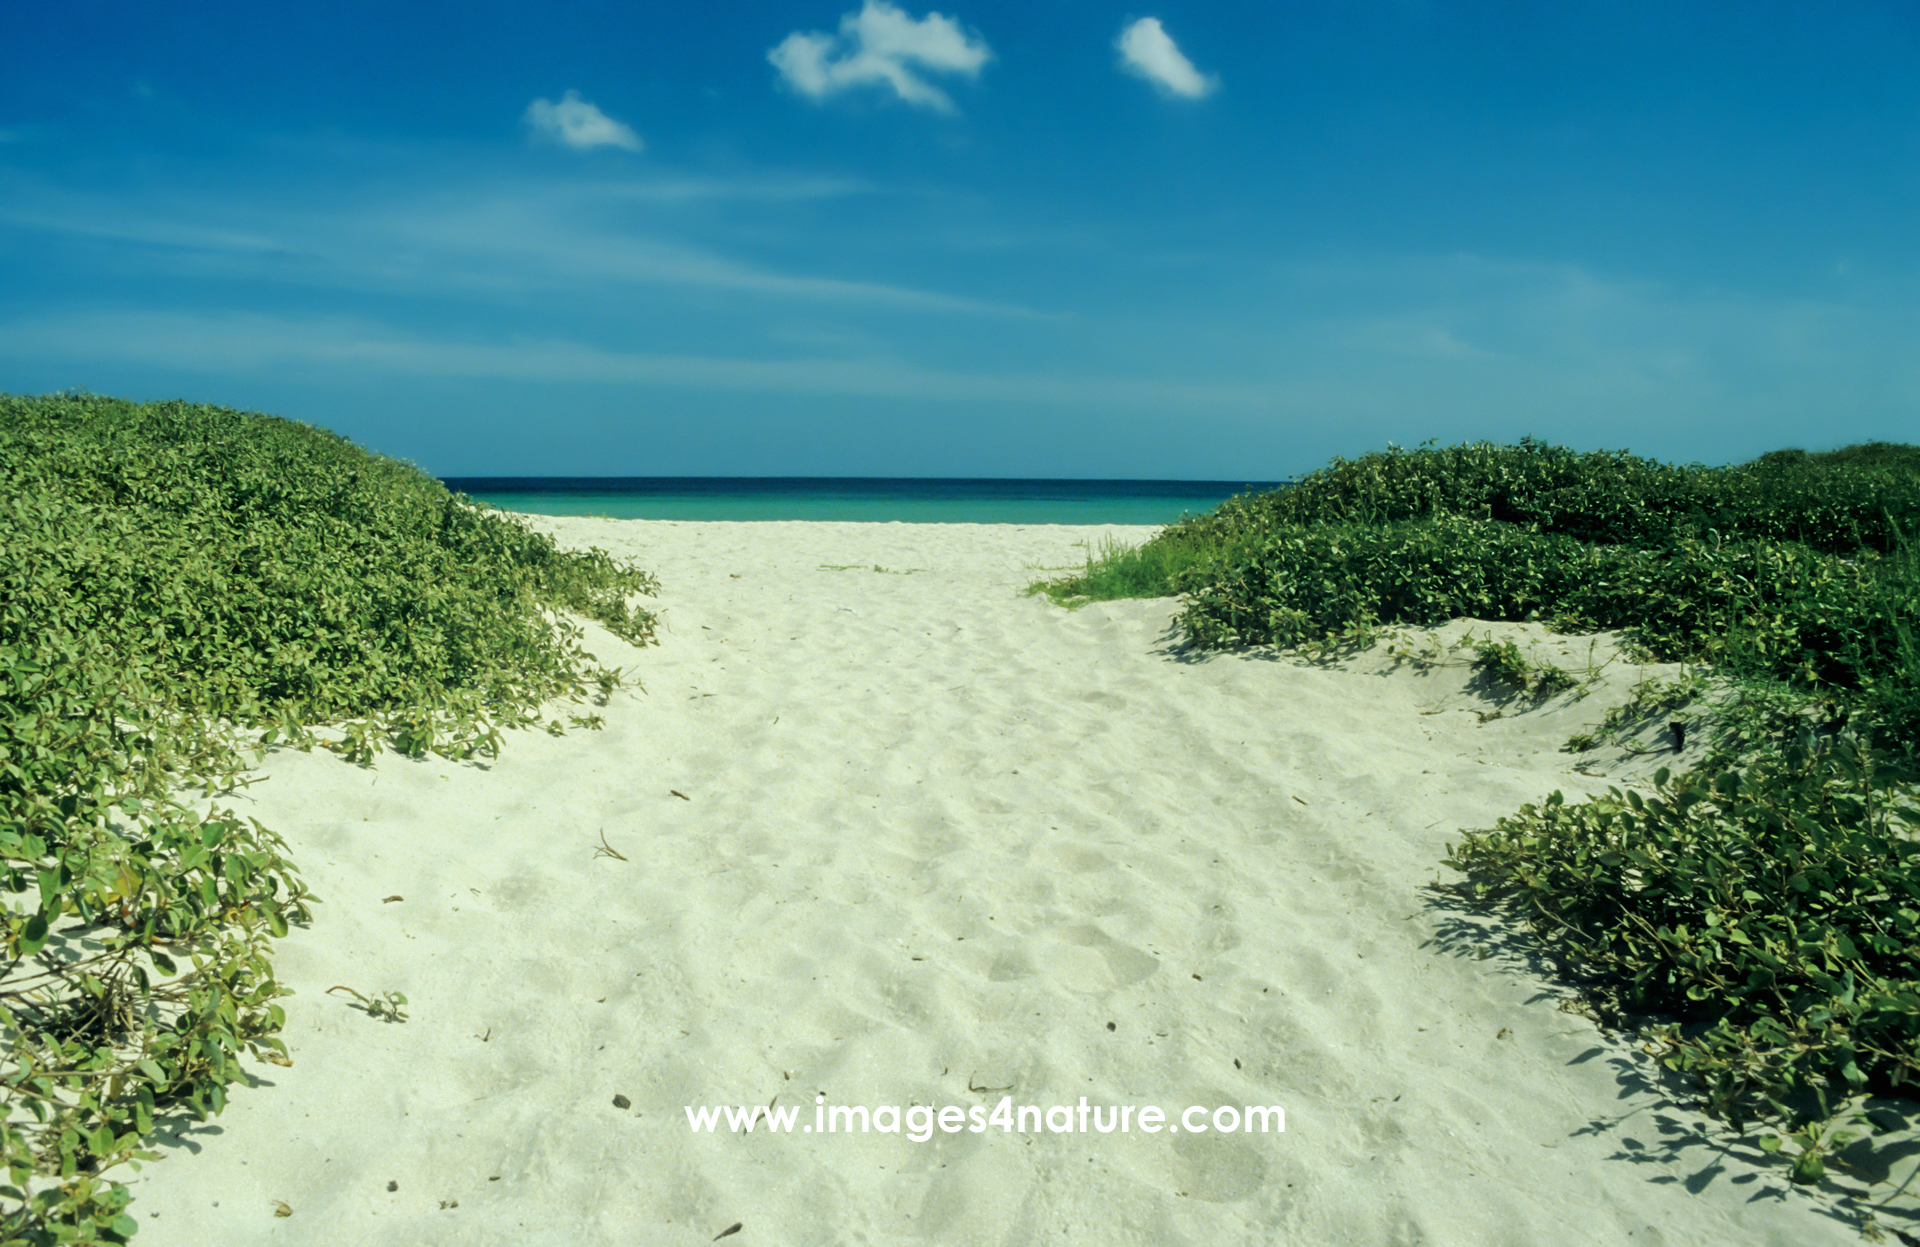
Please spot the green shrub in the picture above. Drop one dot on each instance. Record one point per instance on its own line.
(1773, 913)
(173, 578)
(1842, 502)
(1601, 496)
(1776, 611)
(1123, 571)
(1792, 568)
(1767, 902)
(1503, 661)
(1304, 584)
(1833, 503)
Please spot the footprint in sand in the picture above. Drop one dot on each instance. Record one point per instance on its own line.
(1083, 958)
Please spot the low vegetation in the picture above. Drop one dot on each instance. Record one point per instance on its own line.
(1767, 904)
(1506, 665)
(1793, 569)
(180, 585)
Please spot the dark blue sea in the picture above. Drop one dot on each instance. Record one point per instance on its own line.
(913, 500)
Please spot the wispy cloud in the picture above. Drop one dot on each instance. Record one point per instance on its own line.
(508, 238)
(575, 123)
(1146, 50)
(881, 46)
(1355, 353)
(331, 347)
(666, 190)
(1520, 345)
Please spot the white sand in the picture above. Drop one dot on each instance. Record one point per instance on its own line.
(938, 837)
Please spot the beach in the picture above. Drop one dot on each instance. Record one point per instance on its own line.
(873, 829)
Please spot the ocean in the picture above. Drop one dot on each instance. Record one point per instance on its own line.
(912, 500)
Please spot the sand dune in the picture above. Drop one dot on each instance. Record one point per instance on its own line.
(890, 834)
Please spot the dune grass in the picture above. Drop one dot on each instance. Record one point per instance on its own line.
(1117, 570)
(179, 584)
(1767, 904)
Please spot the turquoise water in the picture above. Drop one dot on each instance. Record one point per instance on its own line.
(872, 499)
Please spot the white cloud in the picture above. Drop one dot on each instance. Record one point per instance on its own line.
(881, 45)
(575, 123)
(1148, 51)
(477, 238)
(333, 347)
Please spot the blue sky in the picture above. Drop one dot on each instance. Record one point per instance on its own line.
(1051, 238)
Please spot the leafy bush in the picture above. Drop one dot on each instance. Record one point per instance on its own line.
(1595, 497)
(171, 578)
(1306, 583)
(1831, 625)
(1793, 568)
(1773, 912)
(1767, 901)
(1792, 609)
(1836, 503)
(1860, 497)
(1503, 661)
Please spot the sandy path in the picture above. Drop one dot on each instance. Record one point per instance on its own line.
(937, 837)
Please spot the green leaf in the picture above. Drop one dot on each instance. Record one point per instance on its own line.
(33, 937)
(1808, 1168)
